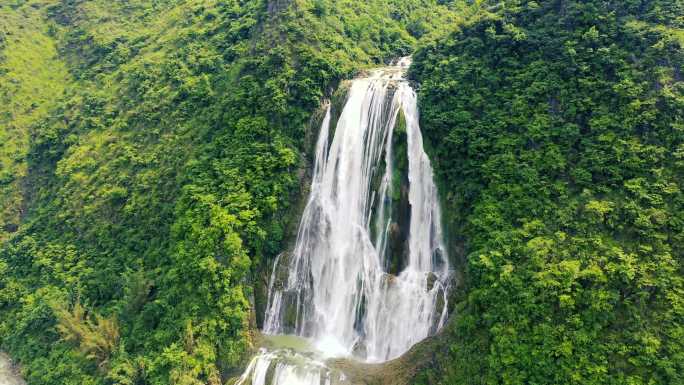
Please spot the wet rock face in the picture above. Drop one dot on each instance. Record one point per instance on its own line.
(8, 372)
(398, 234)
(431, 279)
(401, 207)
(289, 312)
(396, 253)
(292, 301)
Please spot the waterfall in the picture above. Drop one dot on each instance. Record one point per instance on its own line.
(367, 276)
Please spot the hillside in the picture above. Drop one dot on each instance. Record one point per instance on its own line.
(557, 132)
(153, 182)
(32, 80)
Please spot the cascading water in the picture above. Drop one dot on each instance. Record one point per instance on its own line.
(373, 207)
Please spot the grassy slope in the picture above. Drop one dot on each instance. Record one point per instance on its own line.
(32, 80)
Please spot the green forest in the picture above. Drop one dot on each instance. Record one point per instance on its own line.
(153, 158)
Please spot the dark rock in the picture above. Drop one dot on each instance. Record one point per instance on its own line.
(10, 227)
(277, 6)
(431, 279)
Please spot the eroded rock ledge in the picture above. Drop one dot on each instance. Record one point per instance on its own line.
(399, 371)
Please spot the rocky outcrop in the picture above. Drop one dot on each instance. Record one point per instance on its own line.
(276, 6)
(400, 371)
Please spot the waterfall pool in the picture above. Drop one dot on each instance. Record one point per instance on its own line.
(8, 375)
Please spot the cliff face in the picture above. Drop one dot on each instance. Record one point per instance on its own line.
(277, 6)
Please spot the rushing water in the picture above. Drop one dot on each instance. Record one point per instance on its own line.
(336, 288)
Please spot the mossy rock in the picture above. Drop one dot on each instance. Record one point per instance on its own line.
(399, 371)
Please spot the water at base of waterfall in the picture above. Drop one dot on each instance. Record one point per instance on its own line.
(8, 375)
(367, 278)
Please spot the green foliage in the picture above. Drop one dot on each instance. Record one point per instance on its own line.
(556, 130)
(96, 337)
(31, 79)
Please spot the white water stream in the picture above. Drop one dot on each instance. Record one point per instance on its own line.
(335, 289)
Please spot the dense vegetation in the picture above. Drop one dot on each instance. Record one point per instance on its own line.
(30, 80)
(557, 130)
(153, 161)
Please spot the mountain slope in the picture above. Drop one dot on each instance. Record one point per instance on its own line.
(557, 129)
(32, 79)
(163, 178)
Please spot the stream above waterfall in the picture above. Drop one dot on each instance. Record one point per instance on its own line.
(369, 274)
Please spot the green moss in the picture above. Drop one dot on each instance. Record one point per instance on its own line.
(399, 158)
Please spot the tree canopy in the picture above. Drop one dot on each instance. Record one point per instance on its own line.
(557, 129)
